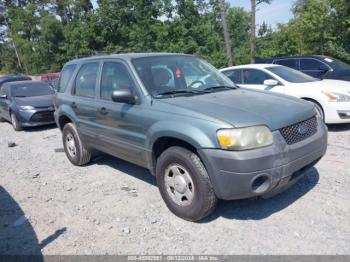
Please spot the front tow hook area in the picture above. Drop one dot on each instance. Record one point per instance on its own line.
(261, 184)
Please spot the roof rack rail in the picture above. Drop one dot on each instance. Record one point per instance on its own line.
(93, 53)
(100, 53)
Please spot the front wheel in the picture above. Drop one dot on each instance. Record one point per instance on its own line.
(75, 150)
(319, 110)
(15, 123)
(184, 184)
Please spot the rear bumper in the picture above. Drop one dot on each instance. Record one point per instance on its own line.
(245, 174)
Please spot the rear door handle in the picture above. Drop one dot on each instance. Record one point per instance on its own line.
(73, 105)
(103, 111)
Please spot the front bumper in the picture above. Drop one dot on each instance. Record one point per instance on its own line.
(36, 117)
(337, 112)
(262, 171)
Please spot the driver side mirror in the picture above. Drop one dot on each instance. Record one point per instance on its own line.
(271, 82)
(324, 68)
(123, 96)
(3, 96)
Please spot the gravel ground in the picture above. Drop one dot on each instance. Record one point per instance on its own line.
(48, 206)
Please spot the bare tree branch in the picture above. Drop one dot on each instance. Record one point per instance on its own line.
(226, 33)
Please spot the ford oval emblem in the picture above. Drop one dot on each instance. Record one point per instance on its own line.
(303, 129)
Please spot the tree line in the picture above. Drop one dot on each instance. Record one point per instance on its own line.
(39, 36)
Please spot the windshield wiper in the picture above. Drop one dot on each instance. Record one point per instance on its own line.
(20, 96)
(220, 87)
(181, 91)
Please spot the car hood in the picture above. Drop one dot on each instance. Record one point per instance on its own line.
(36, 101)
(243, 107)
(344, 72)
(328, 85)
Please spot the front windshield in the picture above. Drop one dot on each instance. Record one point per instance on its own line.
(31, 89)
(337, 63)
(180, 74)
(291, 75)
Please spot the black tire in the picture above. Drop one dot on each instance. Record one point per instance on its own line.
(204, 199)
(15, 123)
(82, 155)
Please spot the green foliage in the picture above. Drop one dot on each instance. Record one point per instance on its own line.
(318, 27)
(47, 33)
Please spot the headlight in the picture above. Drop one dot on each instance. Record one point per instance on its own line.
(336, 97)
(26, 107)
(244, 138)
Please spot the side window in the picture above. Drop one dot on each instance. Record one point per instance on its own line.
(254, 77)
(234, 75)
(85, 81)
(114, 77)
(310, 64)
(292, 63)
(65, 76)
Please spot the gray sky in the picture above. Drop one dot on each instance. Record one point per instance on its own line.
(279, 11)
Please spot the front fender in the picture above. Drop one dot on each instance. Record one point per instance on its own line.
(197, 137)
(194, 135)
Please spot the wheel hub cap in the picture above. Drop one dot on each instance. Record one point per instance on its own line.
(179, 185)
(70, 144)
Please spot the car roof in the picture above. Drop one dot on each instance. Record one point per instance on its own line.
(257, 66)
(21, 83)
(11, 78)
(125, 56)
(300, 56)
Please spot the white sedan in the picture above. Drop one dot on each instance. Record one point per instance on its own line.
(330, 97)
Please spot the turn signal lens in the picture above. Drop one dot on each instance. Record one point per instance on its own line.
(330, 96)
(337, 97)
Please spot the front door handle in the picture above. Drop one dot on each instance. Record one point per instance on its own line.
(103, 111)
(73, 105)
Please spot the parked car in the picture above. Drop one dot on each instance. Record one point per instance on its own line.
(204, 140)
(12, 78)
(323, 67)
(51, 78)
(53, 83)
(331, 98)
(26, 104)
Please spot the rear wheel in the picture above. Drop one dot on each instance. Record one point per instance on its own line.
(15, 123)
(184, 184)
(75, 150)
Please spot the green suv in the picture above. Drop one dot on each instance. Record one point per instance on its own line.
(201, 136)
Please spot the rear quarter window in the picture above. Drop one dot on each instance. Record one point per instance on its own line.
(65, 77)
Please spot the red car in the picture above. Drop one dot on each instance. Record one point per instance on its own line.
(50, 76)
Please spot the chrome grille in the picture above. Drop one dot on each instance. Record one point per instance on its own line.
(299, 131)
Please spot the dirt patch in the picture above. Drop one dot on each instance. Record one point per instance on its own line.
(113, 207)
